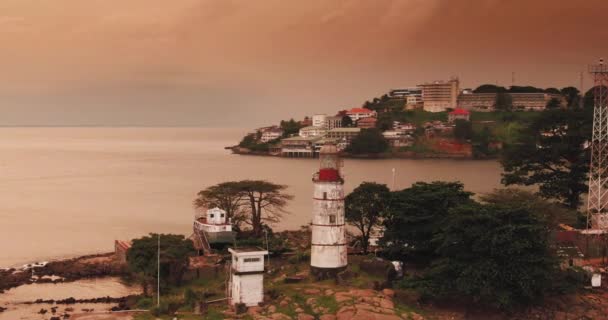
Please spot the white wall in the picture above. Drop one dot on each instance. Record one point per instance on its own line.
(248, 289)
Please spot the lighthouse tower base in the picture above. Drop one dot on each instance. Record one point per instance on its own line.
(320, 274)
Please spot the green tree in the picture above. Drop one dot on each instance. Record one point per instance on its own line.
(369, 141)
(175, 250)
(463, 130)
(347, 122)
(248, 141)
(572, 95)
(552, 213)
(290, 127)
(554, 103)
(489, 88)
(385, 121)
(481, 143)
(493, 254)
(227, 196)
(553, 91)
(364, 208)
(266, 202)
(416, 214)
(551, 154)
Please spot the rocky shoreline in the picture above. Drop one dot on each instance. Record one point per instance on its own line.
(67, 270)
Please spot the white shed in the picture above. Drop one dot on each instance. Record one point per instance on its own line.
(247, 276)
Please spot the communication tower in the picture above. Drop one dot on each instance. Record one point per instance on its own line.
(597, 205)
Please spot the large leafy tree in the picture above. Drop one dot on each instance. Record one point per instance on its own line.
(369, 141)
(266, 202)
(551, 154)
(552, 213)
(572, 96)
(252, 202)
(227, 196)
(494, 254)
(175, 250)
(416, 214)
(365, 207)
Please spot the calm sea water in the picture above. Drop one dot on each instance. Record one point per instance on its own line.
(72, 191)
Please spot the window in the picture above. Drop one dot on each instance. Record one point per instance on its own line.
(332, 218)
(221, 215)
(324, 195)
(211, 215)
(251, 260)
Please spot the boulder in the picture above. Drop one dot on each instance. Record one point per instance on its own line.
(304, 316)
(388, 292)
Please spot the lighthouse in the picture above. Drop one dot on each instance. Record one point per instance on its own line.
(328, 254)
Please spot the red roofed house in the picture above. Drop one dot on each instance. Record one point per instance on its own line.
(359, 113)
(457, 114)
(367, 123)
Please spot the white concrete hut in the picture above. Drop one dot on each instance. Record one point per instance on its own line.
(247, 276)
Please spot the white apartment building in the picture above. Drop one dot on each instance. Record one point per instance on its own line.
(312, 131)
(359, 113)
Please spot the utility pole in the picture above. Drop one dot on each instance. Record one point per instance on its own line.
(158, 274)
(394, 172)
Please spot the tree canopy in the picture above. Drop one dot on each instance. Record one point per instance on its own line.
(463, 130)
(365, 207)
(493, 254)
(369, 141)
(290, 127)
(551, 154)
(416, 215)
(175, 251)
(251, 202)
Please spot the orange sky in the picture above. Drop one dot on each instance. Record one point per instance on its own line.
(179, 62)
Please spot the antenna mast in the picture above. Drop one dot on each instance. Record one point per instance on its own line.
(597, 205)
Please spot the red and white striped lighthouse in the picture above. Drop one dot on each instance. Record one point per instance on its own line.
(328, 253)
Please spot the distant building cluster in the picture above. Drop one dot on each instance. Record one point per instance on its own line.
(437, 96)
(440, 96)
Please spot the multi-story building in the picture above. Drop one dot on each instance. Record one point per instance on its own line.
(440, 95)
(333, 122)
(318, 120)
(412, 96)
(312, 131)
(367, 123)
(359, 113)
(526, 101)
(535, 101)
(299, 147)
(405, 127)
(343, 133)
(271, 134)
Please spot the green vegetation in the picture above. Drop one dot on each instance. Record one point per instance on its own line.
(364, 208)
(142, 259)
(290, 127)
(250, 202)
(416, 214)
(550, 153)
(463, 130)
(494, 254)
(251, 142)
(369, 141)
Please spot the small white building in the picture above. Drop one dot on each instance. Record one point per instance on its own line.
(246, 276)
(359, 113)
(271, 134)
(312, 131)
